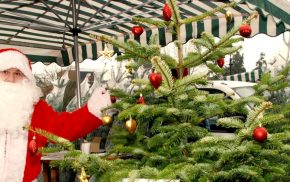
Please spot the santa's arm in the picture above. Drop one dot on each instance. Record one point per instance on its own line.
(72, 125)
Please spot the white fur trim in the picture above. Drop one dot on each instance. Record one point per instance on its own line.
(14, 59)
(99, 100)
(11, 148)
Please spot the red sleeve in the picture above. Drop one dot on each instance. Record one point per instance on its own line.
(71, 125)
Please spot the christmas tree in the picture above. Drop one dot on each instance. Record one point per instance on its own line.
(158, 131)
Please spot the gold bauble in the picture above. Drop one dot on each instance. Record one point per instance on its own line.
(229, 16)
(107, 119)
(131, 125)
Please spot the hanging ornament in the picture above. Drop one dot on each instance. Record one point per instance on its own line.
(129, 69)
(107, 119)
(106, 53)
(131, 125)
(167, 13)
(221, 62)
(137, 30)
(260, 134)
(33, 146)
(155, 79)
(229, 16)
(185, 72)
(113, 98)
(141, 100)
(83, 176)
(245, 30)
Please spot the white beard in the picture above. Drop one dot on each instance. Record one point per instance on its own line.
(16, 104)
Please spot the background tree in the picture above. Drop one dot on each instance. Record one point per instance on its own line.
(237, 64)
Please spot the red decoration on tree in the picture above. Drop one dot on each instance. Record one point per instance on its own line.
(113, 98)
(221, 62)
(155, 79)
(260, 134)
(167, 13)
(33, 146)
(245, 30)
(137, 30)
(141, 100)
(185, 71)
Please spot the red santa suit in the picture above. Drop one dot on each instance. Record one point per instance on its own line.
(17, 161)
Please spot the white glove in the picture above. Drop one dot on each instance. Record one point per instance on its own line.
(100, 99)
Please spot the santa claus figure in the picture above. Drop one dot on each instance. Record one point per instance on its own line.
(20, 105)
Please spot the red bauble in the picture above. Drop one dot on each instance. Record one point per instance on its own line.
(221, 62)
(141, 100)
(137, 30)
(167, 13)
(185, 71)
(33, 146)
(155, 79)
(260, 134)
(113, 98)
(245, 30)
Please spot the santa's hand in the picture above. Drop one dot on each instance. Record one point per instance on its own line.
(99, 100)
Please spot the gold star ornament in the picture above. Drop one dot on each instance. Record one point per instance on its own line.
(83, 176)
(106, 53)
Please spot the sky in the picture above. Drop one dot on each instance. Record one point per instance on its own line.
(271, 46)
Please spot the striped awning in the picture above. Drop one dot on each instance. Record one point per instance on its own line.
(252, 76)
(48, 24)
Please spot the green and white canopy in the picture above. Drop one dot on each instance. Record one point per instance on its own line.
(43, 29)
(252, 76)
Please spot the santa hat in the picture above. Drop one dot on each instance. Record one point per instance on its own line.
(13, 58)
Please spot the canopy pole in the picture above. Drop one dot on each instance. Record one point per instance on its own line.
(75, 32)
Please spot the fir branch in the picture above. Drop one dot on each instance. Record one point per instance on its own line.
(127, 48)
(205, 55)
(150, 22)
(213, 140)
(230, 122)
(258, 111)
(280, 136)
(272, 119)
(175, 11)
(161, 67)
(209, 40)
(206, 14)
(190, 80)
(66, 144)
(140, 82)
(245, 172)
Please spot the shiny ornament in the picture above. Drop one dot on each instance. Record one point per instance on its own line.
(229, 16)
(141, 100)
(129, 68)
(185, 71)
(137, 30)
(106, 53)
(131, 125)
(107, 119)
(174, 73)
(260, 134)
(167, 13)
(83, 176)
(221, 62)
(33, 147)
(245, 30)
(155, 79)
(113, 98)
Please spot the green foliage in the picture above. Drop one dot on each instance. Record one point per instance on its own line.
(169, 142)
